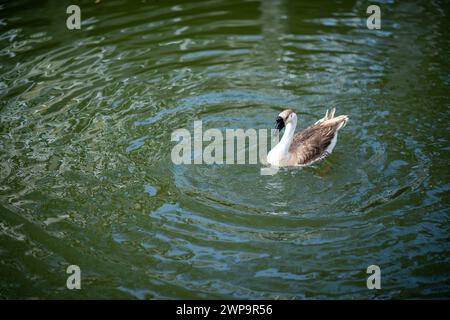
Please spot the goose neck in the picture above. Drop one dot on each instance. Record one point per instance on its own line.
(286, 140)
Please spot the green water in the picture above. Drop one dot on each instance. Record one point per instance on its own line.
(86, 176)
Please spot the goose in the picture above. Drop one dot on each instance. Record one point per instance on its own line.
(313, 144)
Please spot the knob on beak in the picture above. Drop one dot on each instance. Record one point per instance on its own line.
(279, 123)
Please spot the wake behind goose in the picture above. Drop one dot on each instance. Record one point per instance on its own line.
(308, 146)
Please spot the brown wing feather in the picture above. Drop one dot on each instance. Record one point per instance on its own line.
(311, 144)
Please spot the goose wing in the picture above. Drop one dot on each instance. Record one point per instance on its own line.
(311, 144)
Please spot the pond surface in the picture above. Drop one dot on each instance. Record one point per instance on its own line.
(86, 176)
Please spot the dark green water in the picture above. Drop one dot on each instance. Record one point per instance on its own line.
(86, 176)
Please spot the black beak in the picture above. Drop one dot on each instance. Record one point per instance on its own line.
(280, 123)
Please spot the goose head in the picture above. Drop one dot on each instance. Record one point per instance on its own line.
(285, 117)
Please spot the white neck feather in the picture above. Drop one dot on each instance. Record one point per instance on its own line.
(286, 140)
(280, 153)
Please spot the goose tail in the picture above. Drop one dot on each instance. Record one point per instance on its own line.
(340, 121)
(329, 119)
(330, 114)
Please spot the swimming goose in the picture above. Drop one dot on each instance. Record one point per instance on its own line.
(312, 144)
